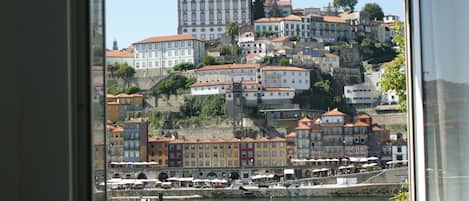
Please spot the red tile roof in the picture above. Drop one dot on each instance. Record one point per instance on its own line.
(333, 19)
(282, 68)
(280, 39)
(270, 89)
(269, 3)
(203, 84)
(157, 39)
(330, 55)
(334, 112)
(116, 53)
(303, 127)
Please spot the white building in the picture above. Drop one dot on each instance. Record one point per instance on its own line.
(325, 62)
(389, 18)
(167, 51)
(307, 27)
(206, 19)
(120, 57)
(266, 83)
(285, 7)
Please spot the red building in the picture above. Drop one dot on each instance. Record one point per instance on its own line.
(246, 152)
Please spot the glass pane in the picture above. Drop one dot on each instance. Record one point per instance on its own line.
(446, 98)
(98, 99)
(208, 98)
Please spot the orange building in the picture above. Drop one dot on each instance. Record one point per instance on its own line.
(123, 106)
(158, 150)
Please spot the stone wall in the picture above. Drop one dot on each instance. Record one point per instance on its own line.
(363, 190)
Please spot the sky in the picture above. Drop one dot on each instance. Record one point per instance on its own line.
(130, 21)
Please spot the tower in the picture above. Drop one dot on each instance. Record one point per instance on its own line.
(114, 45)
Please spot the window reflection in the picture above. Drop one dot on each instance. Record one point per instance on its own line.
(446, 94)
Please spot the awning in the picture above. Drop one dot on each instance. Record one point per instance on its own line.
(395, 162)
(373, 158)
(288, 171)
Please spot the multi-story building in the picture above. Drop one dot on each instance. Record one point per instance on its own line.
(363, 26)
(115, 143)
(291, 148)
(246, 152)
(326, 62)
(135, 140)
(123, 106)
(175, 153)
(270, 152)
(307, 27)
(284, 6)
(206, 19)
(99, 162)
(166, 51)
(347, 76)
(259, 83)
(157, 150)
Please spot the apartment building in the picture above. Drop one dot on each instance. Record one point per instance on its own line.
(135, 140)
(115, 143)
(270, 152)
(167, 51)
(258, 83)
(157, 150)
(120, 56)
(206, 19)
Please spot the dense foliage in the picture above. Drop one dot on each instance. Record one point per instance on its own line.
(284, 62)
(132, 90)
(173, 84)
(324, 93)
(184, 66)
(258, 12)
(232, 31)
(204, 106)
(394, 76)
(346, 4)
(275, 12)
(208, 60)
(374, 11)
(376, 52)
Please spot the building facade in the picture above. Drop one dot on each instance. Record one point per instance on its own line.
(115, 143)
(259, 83)
(167, 51)
(135, 140)
(120, 57)
(157, 150)
(206, 19)
(284, 6)
(123, 106)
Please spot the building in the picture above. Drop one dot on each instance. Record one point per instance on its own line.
(270, 152)
(347, 76)
(123, 106)
(157, 150)
(284, 6)
(115, 143)
(259, 83)
(362, 26)
(291, 148)
(326, 62)
(99, 156)
(120, 56)
(399, 147)
(309, 27)
(166, 51)
(246, 152)
(135, 140)
(390, 18)
(206, 20)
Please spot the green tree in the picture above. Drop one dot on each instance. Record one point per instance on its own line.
(171, 85)
(294, 38)
(258, 9)
(275, 12)
(112, 68)
(346, 4)
(403, 195)
(125, 72)
(374, 11)
(232, 31)
(284, 62)
(184, 66)
(394, 78)
(112, 87)
(208, 60)
(132, 90)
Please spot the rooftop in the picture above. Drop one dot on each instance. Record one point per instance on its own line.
(158, 39)
(228, 66)
(334, 112)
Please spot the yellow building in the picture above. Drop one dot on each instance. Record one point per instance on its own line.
(158, 150)
(115, 144)
(270, 152)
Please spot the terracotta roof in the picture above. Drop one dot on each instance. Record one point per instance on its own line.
(207, 140)
(251, 56)
(278, 139)
(228, 66)
(303, 127)
(364, 116)
(285, 47)
(278, 89)
(159, 139)
(292, 135)
(280, 39)
(116, 53)
(244, 90)
(97, 68)
(123, 95)
(279, 19)
(270, 3)
(333, 19)
(282, 68)
(117, 129)
(360, 124)
(334, 112)
(157, 39)
(377, 129)
(305, 119)
(248, 139)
